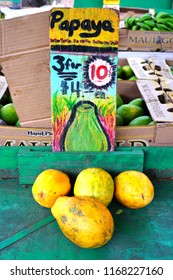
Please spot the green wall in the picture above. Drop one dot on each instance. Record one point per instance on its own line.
(166, 4)
(157, 4)
(88, 3)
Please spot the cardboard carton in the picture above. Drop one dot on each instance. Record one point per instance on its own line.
(155, 135)
(146, 41)
(24, 56)
(16, 136)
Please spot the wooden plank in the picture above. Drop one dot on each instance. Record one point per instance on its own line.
(158, 160)
(8, 162)
(32, 162)
(23, 233)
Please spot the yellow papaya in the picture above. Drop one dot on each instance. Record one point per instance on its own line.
(84, 220)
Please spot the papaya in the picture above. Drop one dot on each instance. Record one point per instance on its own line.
(95, 182)
(84, 220)
(128, 112)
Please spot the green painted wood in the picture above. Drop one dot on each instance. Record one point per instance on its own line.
(23, 233)
(8, 162)
(158, 161)
(139, 234)
(31, 163)
(18, 209)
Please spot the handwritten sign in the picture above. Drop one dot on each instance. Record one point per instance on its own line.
(83, 62)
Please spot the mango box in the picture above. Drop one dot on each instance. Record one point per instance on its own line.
(146, 41)
(154, 68)
(155, 135)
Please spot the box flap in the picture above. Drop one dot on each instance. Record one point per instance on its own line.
(157, 101)
(24, 33)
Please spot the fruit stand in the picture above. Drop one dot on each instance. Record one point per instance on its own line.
(31, 232)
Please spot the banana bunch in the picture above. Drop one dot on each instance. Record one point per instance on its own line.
(161, 22)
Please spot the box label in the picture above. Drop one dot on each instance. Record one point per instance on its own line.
(150, 40)
(3, 85)
(83, 61)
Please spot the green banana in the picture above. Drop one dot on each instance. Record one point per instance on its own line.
(126, 22)
(163, 27)
(143, 26)
(132, 21)
(135, 27)
(156, 29)
(164, 20)
(162, 15)
(170, 25)
(146, 16)
(150, 23)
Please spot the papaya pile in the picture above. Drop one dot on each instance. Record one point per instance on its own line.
(81, 210)
(161, 22)
(134, 113)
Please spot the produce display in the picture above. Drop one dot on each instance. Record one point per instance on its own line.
(81, 209)
(125, 72)
(133, 113)
(161, 22)
(8, 115)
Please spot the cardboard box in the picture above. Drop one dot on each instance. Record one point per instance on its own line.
(24, 57)
(137, 40)
(16, 136)
(155, 135)
(154, 68)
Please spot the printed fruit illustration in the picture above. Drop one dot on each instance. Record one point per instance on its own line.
(128, 112)
(8, 114)
(84, 220)
(142, 120)
(133, 189)
(95, 182)
(84, 124)
(49, 185)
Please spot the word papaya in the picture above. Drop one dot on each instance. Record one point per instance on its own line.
(93, 29)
